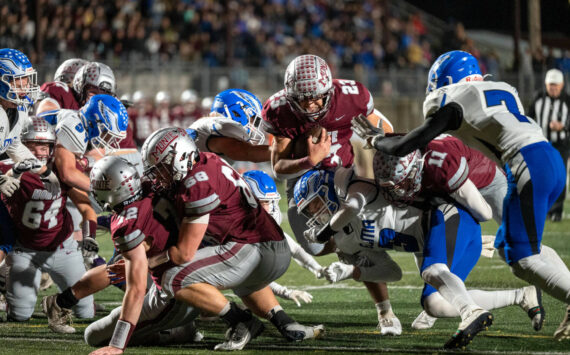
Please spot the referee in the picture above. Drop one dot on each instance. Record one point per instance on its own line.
(550, 108)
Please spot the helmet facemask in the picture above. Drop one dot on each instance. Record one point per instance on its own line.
(399, 178)
(23, 89)
(297, 104)
(318, 210)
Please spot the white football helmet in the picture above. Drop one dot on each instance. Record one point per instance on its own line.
(40, 131)
(138, 97)
(309, 77)
(67, 70)
(162, 97)
(97, 75)
(399, 177)
(115, 182)
(264, 188)
(169, 154)
(188, 96)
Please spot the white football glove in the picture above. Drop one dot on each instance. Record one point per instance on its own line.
(26, 165)
(338, 271)
(51, 183)
(363, 128)
(311, 234)
(8, 184)
(297, 296)
(89, 247)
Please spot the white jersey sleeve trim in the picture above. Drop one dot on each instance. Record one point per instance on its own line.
(460, 175)
(205, 205)
(129, 241)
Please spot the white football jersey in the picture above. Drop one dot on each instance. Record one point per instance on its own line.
(11, 135)
(71, 133)
(493, 117)
(379, 225)
(217, 126)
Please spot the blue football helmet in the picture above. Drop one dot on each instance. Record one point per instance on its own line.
(315, 197)
(106, 120)
(15, 67)
(451, 68)
(264, 188)
(241, 106)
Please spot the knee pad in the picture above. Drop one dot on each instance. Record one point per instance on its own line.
(432, 274)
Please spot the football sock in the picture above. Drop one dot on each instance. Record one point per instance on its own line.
(543, 273)
(279, 318)
(232, 314)
(450, 287)
(383, 307)
(66, 299)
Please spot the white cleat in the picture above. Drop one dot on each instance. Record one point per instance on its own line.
(45, 281)
(389, 324)
(298, 332)
(3, 304)
(423, 321)
(563, 331)
(239, 335)
(531, 303)
(58, 318)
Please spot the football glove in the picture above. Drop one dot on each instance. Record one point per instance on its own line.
(297, 296)
(26, 165)
(363, 128)
(338, 271)
(51, 183)
(89, 247)
(8, 184)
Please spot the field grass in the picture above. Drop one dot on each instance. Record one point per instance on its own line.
(347, 312)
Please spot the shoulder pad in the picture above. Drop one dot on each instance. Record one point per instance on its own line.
(70, 132)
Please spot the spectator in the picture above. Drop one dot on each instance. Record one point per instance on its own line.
(551, 110)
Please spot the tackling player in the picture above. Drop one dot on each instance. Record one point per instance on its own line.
(43, 228)
(489, 116)
(351, 210)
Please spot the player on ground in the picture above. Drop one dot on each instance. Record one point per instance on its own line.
(248, 251)
(489, 116)
(351, 210)
(43, 228)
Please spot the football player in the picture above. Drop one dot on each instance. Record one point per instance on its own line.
(43, 229)
(188, 111)
(60, 93)
(489, 116)
(363, 224)
(265, 190)
(18, 90)
(248, 249)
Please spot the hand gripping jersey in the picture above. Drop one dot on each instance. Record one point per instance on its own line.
(71, 132)
(492, 117)
(41, 219)
(213, 187)
(350, 99)
(61, 93)
(379, 225)
(207, 127)
(448, 163)
(151, 218)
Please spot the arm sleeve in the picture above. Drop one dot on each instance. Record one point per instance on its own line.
(469, 196)
(301, 257)
(18, 152)
(445, 119)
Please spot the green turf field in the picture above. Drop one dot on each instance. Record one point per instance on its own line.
(347, 313)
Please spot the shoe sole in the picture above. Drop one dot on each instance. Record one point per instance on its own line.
(462, 338)
(541, 311)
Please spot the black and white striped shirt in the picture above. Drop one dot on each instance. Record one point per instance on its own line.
(545, 109)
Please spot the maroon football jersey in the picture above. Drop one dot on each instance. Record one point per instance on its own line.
(41, 219)
(350, 99)
(448, 163)
(61, 93)
(183, 118)
(129, 141)
(213, 187)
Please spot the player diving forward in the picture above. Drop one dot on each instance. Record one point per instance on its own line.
(363, 224)
(489, 116)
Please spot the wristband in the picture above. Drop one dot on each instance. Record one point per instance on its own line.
(90, 229)
(305, 163)
(46, 173)
(158, 259)
(122, 334)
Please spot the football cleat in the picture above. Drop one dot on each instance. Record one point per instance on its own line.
(389, 324)
(563, 331)
(59, 319)
(531, 303)
(423, 321)
(242, 333)
(476, 322)
(298, 332)
(45, 281)
(3, 304)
